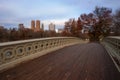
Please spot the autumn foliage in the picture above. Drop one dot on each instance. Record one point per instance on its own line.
(96, 24)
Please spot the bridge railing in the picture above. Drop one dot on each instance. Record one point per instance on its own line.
(19, 51)
(112, 44)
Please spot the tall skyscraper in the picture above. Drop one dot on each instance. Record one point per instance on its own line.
(42, 27)
(51, 27)
(37, 25)
(33, 25)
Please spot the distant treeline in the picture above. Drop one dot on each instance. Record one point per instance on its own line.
(23, 34)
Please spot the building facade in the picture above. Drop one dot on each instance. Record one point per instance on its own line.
(33, 25)
(21, 26)
(37, 25)
(51, 27)
(60, 30)
(42, 27)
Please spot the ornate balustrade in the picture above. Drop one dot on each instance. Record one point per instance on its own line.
(112, 44)
(18, 51)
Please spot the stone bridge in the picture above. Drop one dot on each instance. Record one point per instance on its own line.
(60, 58)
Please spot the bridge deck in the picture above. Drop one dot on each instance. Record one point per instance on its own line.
(79, 62)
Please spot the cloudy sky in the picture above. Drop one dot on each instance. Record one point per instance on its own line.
(13, 12)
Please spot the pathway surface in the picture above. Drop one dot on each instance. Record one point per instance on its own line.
(78, 62)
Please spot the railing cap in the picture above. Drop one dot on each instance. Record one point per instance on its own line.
(30, 40)
(115, 37)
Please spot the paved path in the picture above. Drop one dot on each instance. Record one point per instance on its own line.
(79, 62)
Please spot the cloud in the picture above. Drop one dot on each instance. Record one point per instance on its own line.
(57, 11)
(89, 5)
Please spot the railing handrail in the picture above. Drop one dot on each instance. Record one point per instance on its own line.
(29, 40)
(115, 37)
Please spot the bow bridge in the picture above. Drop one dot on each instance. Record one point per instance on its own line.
(60, 58)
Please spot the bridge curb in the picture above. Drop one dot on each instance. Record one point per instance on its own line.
(110, 52)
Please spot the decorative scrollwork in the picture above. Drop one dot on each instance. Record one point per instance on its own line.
(29, 49)
(20, 51)
(8, 54)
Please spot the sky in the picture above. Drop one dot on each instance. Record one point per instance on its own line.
(14, 12)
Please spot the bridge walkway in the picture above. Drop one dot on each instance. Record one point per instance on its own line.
(78, 62)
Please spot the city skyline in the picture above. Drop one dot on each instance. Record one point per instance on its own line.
(13, 12)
